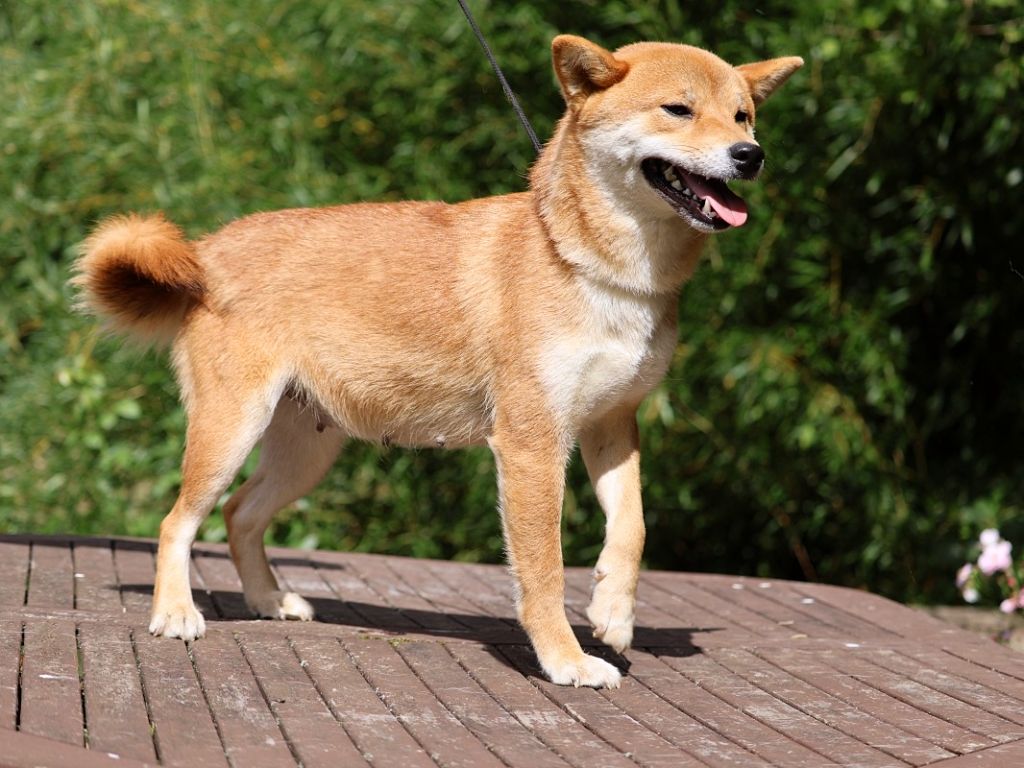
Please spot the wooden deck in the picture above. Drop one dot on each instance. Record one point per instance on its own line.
(420, 663)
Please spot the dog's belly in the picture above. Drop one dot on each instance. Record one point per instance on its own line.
(416, 404)
(442, 424)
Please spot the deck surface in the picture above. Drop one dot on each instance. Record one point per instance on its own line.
(421, 663)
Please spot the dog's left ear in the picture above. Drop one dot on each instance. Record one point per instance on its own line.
(584, 67)
(764, 77)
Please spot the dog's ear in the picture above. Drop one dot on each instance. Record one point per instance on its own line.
(584, 67)
(764, 77)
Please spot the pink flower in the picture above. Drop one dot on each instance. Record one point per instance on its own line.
(995, 557)
(989, 537)
(971, 595)
(1009, 605)
(963, 575)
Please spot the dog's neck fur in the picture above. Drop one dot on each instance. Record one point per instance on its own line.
(597, 226)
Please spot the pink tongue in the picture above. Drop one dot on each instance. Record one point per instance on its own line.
(730, 207)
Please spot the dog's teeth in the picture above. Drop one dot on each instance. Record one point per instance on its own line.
(670, 173)
(677, 184)
(706, 209)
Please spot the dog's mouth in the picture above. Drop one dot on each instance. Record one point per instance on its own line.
(706, 202)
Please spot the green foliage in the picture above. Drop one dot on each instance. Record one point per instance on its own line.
(845, 401)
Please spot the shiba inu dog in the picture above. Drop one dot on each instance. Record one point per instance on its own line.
(530, 322)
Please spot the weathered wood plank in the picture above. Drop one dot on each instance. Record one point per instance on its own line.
(669, 721)
(51, 699)
(968, 691)
(317, 738)
(134, 566)
(721, 715)
(14, 568)
(25, 750)
(349, 586)
(300, 574)
(706, 672)
(830, 710)
(477, 586)
(812, 668)
(186, 734)
(446, 740)
(218, 575)
(850, 623)
(247, 727)
(885, 614)
(51, 583)
(793, 615)
(498, 730)
(442, 599)
(115, 710)
(990, 656)
(494, 613)
(555, 727)
(377, 732)
(978, 672)
(95, 577)
(923, 697)
(201, 593)
(688, 600)
(600, 715)
(1002, 756)
(10, 664)
(377, 574)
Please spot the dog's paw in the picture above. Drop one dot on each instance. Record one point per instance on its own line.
(585, 670)
(184, 621)
(281, 605)
(612, 615)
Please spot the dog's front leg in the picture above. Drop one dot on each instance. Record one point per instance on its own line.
(531, 458)
(611, 451)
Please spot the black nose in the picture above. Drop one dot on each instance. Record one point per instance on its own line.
(747, 156)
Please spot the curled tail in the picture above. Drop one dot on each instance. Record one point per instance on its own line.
(141, 274)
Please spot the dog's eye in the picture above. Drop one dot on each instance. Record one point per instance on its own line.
(742, 117)
(679, 110)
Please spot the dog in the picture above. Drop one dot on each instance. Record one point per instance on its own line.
(530, 322)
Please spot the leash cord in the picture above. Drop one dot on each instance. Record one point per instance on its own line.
(501, 76)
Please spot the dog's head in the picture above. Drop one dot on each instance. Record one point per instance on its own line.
(668, 124)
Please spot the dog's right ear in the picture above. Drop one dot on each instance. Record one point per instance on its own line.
(584, 67)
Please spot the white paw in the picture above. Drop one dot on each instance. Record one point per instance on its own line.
(281, 605)
(181, 621)
(586, 670)
(612, 616)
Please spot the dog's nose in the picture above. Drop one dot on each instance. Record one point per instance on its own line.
(747, 156)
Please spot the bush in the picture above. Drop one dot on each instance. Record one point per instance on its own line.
(846, 394)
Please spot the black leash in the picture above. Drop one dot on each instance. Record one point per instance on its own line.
(501, 77)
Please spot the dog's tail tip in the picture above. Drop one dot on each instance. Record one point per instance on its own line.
(141, 274)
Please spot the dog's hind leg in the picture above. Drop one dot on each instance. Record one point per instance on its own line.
(225, 421)
(611, 452)
(295, 454)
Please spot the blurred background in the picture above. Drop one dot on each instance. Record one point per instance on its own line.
(846, 402)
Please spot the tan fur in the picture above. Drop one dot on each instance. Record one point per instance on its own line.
(141, 273)
(527, 321)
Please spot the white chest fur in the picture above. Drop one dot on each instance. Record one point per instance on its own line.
(617, 354)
